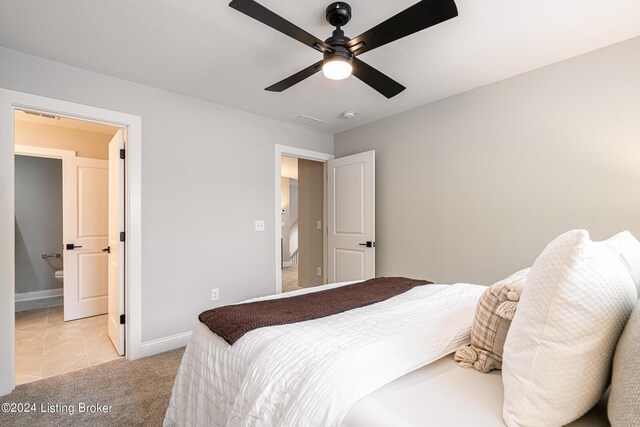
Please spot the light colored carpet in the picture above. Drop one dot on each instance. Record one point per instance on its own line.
(137, 391)
(290, 279)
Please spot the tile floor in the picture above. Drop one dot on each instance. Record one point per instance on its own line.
(47, 346)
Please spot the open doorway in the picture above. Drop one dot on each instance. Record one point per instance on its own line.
(302, 229)
(348, 220)
(130, 313)
(67, 211)
(295, 270)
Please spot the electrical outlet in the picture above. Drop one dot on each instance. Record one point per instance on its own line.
(319, 225)
(259, 225)
(319, 271)
(215, 294)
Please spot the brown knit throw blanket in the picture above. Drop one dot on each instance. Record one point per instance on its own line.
(233, 321)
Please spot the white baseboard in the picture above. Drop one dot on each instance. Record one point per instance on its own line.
(26, 301)
(34, 295)
(5, 389)
(149, 348)
(286, 264)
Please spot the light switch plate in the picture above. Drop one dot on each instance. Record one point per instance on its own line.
(259, 225)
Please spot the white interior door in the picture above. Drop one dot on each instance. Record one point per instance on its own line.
(85, 205)
(351, 218)
(116, 247)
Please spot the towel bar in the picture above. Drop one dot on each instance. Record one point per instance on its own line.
(45, 256)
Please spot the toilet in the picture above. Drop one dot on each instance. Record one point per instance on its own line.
(59, 275)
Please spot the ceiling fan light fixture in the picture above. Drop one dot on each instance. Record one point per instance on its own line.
(339, 51)
(337, 68)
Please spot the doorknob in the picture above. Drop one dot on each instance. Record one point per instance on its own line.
(107, 249)
(368, 244)
(71, 246)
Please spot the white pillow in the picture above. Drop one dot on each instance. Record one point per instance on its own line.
(629, 248)
(557, 356)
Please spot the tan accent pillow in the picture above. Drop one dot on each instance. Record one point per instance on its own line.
(494, 313)
(624, 400)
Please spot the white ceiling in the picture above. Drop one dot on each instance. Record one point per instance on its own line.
(205, 49)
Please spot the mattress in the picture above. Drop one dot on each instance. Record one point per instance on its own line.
(443, 394)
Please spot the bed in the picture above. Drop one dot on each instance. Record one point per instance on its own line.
(311, 373)
(401, 402)
(215, 385)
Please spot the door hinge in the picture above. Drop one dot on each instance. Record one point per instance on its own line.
(122, 236)
(122, 153)
(122, 319)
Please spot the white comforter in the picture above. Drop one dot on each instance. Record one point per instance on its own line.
(311, 373)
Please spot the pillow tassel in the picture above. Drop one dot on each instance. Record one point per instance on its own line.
(513, 295)
(466, 356)
(507, 309)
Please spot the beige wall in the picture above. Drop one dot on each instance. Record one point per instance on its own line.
(310, 211)
(285, 203)
(86, 144)
(471, 188)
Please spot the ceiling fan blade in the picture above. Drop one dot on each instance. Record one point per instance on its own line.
(296, 78)
(374, 78)
(260, 13)
(416, 18)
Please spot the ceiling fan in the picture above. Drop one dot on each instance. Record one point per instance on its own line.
(340, 53)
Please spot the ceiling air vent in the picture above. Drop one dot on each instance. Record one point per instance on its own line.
(46, 116)
(309, 121)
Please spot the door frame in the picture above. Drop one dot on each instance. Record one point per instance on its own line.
(9, 102)
(300, 153)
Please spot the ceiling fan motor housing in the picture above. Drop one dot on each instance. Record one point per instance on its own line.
(338, 14)
(340, 52)
(338, 42)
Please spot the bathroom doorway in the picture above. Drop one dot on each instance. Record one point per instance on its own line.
(66, 171)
